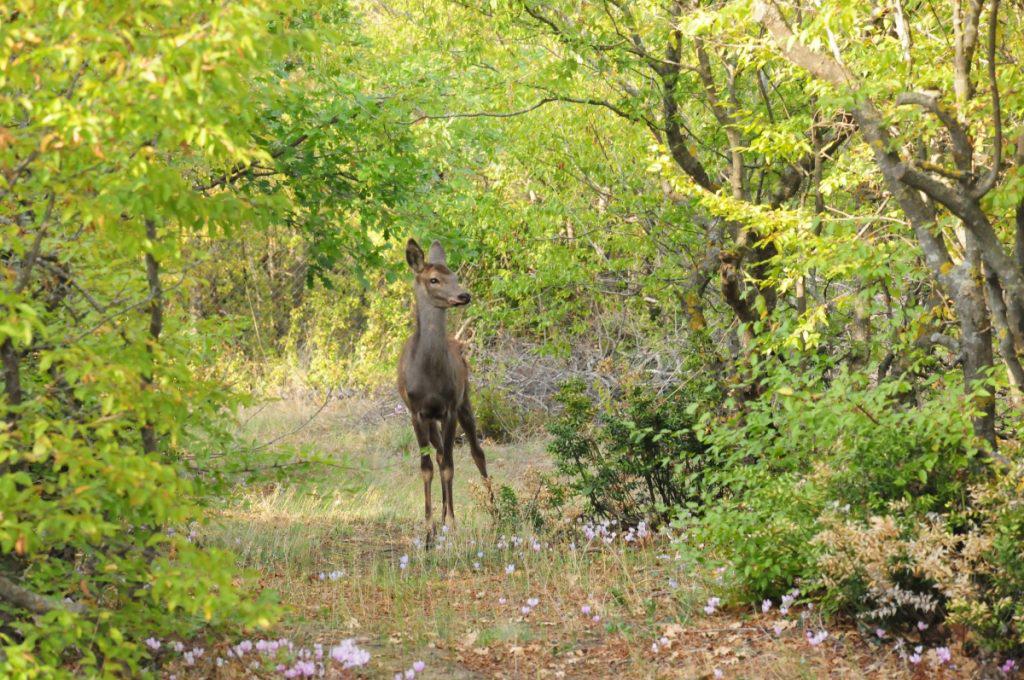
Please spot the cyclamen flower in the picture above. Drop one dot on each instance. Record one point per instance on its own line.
(502, 600)
(597, 618)
(349, 655)
(410, 674)
(654, 647)
(533, 602)
(153, 643)
(1008, 666)
(718, 673)
(509, 568)
(525, 610)
(880, 633)
(915, 658)
(944, 654)
(673, 584)
(585, 609)
(712, 605)
(922, 626)
(476, 566)
(418, 666)
(766, 606)
(777, 629)
(816, 638)
(403, 562)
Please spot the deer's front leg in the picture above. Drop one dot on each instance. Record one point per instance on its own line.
(426, 469)
(447, 465)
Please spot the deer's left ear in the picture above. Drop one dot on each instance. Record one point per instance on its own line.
(436, 254)
(414, 256)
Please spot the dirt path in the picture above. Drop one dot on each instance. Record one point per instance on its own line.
(498, 598)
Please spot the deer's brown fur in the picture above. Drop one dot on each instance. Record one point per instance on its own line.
(433, 376)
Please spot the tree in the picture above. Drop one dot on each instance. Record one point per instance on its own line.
(943, 172)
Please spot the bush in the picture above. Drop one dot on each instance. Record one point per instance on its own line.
(632, 460)
(539, 504)
(988, 592)
(764, 534)
(851, 489)
(499, 417)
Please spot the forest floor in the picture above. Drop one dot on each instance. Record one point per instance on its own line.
(343, 548)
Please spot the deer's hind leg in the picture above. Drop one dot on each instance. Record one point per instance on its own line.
(468, 422)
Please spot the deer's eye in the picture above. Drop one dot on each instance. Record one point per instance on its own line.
(434, 281)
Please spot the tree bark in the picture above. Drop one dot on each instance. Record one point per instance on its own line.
(156, 321)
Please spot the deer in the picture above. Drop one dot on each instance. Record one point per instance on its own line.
(433, 377)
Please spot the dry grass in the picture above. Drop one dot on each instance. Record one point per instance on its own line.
(460, 612)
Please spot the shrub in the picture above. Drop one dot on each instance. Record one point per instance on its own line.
(889, 569)
(633, 459)
(805, 446)
(539, 504)
(499, 417)
(988, 596)
(764, 534)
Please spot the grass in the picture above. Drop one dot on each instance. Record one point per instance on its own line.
(454, 606)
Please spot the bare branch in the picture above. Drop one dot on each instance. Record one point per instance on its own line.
(997, 119)
(533, 107)
(34, 602)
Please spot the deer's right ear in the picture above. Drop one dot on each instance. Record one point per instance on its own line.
(414, 255)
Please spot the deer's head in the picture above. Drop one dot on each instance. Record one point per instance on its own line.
(435, 284)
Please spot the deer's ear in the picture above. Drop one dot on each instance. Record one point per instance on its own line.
(414, 255)
(436, 254)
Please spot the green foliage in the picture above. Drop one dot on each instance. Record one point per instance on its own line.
(138, 137)
(991, 599)
(197, 194)
(631, 460)
(499, 417)
(764, 534)
(808, 445)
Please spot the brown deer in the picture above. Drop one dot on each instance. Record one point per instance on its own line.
(433, 376)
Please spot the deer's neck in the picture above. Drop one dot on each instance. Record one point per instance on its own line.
(431, 332)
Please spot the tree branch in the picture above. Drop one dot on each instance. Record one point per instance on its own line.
(533, 107)
(962, 149)
(242, 169)
(989, 180)
(34, 602)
